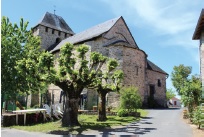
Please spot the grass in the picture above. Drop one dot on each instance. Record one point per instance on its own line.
(88, 122)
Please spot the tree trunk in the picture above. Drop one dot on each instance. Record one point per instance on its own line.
(102, 107)
(70, 116)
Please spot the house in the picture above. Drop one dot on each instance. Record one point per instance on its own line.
(199, 35)
(175, 102)
(113, 39)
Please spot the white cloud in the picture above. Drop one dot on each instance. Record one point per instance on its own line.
(164, 17)
(171, 21)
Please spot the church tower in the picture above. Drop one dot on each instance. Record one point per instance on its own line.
(52, 29)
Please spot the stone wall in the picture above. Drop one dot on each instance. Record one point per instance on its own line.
(153, 79)
(202, 61)
(132, 61)
(49, 36)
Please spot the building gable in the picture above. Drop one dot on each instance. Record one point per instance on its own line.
(120, 33)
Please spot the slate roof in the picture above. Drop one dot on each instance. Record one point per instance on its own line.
(152, 66)
(56, 22)
(88, 34)
(199, 27)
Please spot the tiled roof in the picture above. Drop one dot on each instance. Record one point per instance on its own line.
(89, 33)
(174, 98)
(152, 66)
(199, 27)
(55, 22)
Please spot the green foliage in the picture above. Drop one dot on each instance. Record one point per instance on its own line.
(130, 99)
(180, 74)
(197, 116)
(122, 113)
(97, 57)
(19, 54)
(170, 94)
(188, 88)
(112, 64)
(83, 49)
(191, 93)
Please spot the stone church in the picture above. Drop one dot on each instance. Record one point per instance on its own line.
(112, 38)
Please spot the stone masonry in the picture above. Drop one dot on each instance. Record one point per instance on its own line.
(113, 39)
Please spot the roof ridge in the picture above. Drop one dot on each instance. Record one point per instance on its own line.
(100, 24)
(89, 33)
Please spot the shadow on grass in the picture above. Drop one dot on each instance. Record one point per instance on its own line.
(106, 128)
(80, 129)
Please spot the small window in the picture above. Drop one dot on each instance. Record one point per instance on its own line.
(53, 31)
(136, 69)
(46, 29)
(59, 33)
(57, 40)
(65, 35)
(159, 83)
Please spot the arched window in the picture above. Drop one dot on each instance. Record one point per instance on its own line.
(58, 40)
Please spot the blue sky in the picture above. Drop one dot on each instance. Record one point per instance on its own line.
(162, 28)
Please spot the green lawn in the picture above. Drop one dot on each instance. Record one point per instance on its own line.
(87, 122)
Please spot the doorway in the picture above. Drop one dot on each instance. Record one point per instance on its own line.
(151, 91)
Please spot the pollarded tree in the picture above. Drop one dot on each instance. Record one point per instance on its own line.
(106, 82)
(74, 73)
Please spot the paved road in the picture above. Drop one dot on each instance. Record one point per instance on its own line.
(159, 123)
(163, 123)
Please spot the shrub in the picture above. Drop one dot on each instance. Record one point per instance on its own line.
(197, 116)
(122, 113)
(130, 99)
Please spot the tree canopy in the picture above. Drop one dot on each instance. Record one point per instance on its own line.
(78, 68)
(107, 81)
(189, 87)
(180, 74)
(27, 68)
(170, 93)
(17, 44)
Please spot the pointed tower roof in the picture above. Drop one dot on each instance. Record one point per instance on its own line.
(88, 34)
(56, 22)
